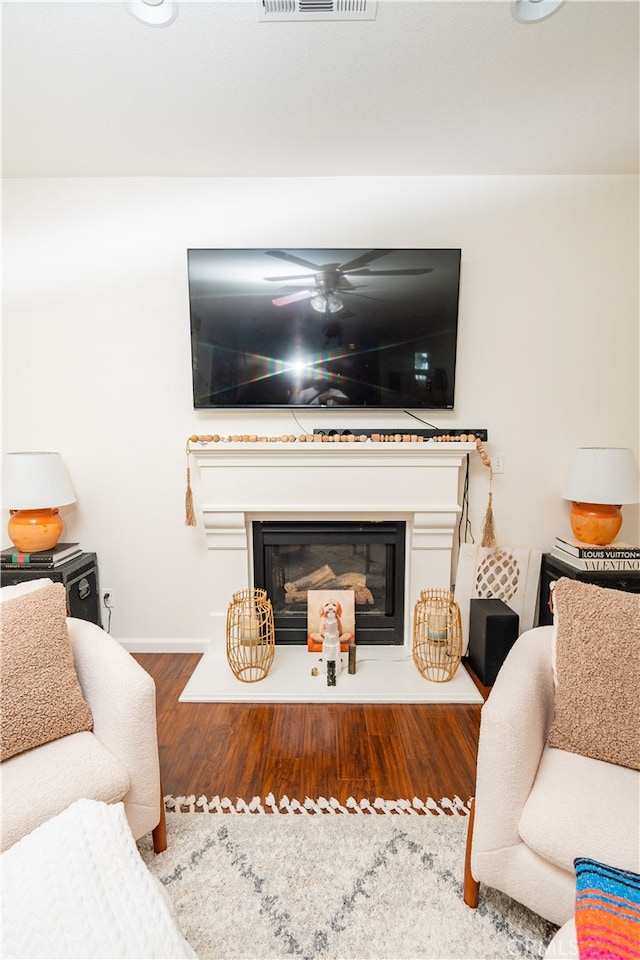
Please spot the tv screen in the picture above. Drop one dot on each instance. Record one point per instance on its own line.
(316, 327)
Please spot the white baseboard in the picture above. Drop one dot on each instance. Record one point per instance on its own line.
(165, 645)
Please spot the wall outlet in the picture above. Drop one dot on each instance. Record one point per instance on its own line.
(106, 598)
(498, 463)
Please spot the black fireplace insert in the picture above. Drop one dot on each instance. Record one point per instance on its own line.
(291, 557)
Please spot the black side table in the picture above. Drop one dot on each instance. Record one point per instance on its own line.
(80, 577)
(552, 569)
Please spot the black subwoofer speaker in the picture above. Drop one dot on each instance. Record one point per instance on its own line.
(493, 630)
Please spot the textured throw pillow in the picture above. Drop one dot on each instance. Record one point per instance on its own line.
(607, 911)
(40, 693)
(597, 708)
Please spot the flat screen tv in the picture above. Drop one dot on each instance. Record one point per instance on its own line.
(315, 327)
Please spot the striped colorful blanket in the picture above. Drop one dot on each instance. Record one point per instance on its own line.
(607, 911)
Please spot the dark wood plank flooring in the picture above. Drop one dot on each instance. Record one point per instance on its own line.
(310, 750)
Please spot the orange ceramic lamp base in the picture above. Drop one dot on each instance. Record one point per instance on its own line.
(596, 522)
(33, 530)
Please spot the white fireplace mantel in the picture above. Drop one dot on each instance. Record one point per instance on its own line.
(416, 482)
(238, 483)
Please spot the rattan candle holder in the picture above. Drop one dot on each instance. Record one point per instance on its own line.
(437, 635)
(250, 635)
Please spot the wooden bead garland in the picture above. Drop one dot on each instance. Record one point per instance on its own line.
(341, 438)
(467, 438)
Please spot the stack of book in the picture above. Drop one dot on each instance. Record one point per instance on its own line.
(591, 556)
(12, 559)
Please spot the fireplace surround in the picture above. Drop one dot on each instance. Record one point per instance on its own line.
(416, 484)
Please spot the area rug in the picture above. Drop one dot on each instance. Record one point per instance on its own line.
(268, 880)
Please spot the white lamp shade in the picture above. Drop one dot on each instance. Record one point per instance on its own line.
(606, 475)
(33, 481)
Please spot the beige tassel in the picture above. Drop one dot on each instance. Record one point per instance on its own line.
(488, 529)
(190, 517)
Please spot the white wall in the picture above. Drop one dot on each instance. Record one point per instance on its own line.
(97, 360)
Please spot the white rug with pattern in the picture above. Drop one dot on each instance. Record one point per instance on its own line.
(315, 880)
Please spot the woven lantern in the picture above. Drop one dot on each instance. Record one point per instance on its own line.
(250, 635)
(437, 635)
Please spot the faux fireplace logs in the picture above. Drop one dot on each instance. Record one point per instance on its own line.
(325, 578)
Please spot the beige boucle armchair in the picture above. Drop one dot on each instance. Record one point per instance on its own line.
(537, 807)
(115, 761)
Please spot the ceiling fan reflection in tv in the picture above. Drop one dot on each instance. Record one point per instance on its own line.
(346, 327)
(331, 279)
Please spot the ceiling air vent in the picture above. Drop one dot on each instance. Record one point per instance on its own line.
(272, 10)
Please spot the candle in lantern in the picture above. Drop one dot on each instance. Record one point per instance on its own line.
(250, 629)
(437, 627)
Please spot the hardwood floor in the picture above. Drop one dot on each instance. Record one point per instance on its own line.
(310, 750)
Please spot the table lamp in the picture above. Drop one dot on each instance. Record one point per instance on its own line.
(34, 485)
(600, 480)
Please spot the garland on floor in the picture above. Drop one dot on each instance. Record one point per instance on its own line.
(192, 804)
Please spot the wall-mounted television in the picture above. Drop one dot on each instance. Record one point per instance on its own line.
(317, 327)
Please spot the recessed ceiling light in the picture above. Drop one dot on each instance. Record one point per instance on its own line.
(532, 11)
(156, 13)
